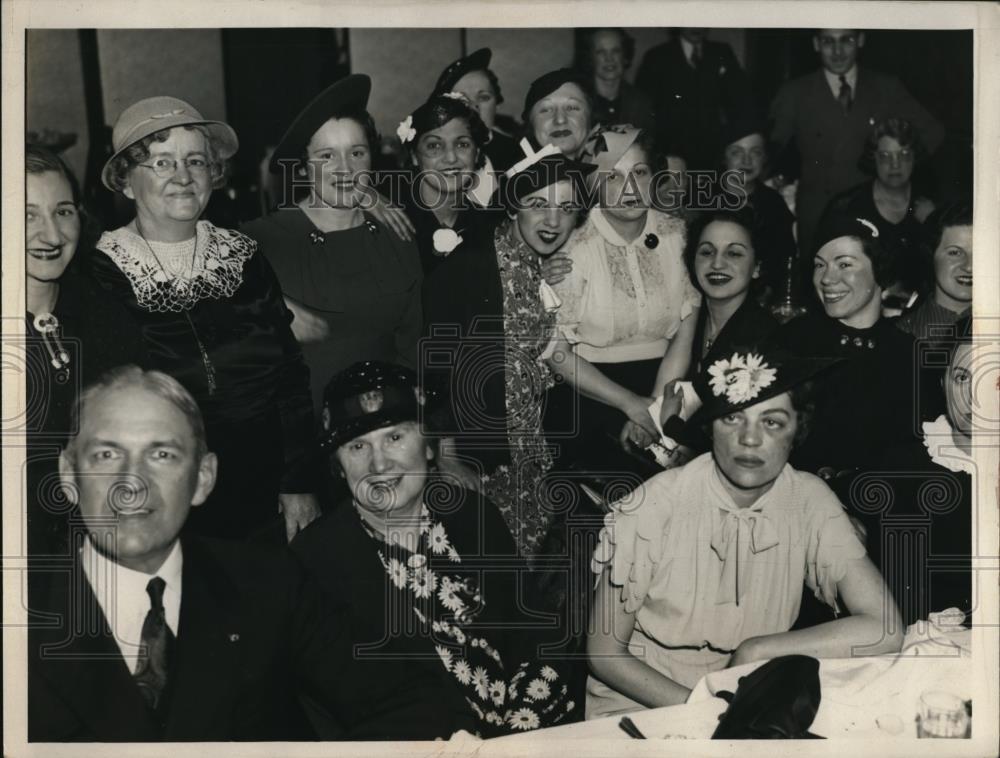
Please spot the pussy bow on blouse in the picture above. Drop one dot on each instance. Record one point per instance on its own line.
(741, 533)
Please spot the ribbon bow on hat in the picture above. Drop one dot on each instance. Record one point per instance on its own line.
(742, 531)
(530, 157)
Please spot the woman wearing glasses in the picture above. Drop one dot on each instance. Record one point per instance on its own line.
(212, 316)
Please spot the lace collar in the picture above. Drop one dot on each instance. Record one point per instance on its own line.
(215, 268)
(941, 447)
(614, 238)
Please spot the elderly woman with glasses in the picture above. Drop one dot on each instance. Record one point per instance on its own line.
(212, 316)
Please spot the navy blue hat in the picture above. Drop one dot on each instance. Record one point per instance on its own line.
(348, 95)
(548, 83)
(367, 396)
(477, 61)
(838, 223)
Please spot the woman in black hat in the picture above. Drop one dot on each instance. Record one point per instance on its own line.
(558, 110)
(431, 575)
(212, 316)
(351, 283)
(703, 566)
(868, 402)
(444, 141)
(745, 156)
(472, 77)
(489, 321)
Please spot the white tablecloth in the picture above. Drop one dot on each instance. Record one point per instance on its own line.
(863, 697)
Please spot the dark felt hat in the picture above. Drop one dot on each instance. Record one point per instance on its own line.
(477, 61)
(367, 396)
(546, 167)
(743, 125)
(348, 95)
(749, 376)
(548, 83)
(838, 223)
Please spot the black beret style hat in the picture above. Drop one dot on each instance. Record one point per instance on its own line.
(477, 61)
(838, 224)
(348, 94)
(749, 376)
(366, 396)
(548, 169)
(743, 125)
(548, 83)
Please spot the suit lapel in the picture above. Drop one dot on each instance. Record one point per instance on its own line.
(80, 658)
(206, 670)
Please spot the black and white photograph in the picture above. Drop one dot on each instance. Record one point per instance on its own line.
(454, 378)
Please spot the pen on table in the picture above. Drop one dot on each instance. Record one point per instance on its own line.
(630, 728)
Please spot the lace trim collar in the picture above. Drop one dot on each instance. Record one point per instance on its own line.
(215, 273)
(942, 449)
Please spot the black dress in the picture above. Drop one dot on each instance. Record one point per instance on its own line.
(441, 640)
(98, 334)
(231, 346)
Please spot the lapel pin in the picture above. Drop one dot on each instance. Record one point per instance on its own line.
(234, 637)
(316, 237)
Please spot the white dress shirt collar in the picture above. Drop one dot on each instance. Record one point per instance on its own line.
(688, 49)
(122, 595)
(834, 81)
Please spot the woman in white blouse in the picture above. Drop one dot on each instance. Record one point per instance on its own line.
(627, 297)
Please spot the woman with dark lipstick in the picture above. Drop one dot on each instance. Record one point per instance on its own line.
(705, 565)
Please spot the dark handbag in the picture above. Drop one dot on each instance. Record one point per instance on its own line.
(777, 701)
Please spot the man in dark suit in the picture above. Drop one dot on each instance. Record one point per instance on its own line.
(148, 636)
(697, 87)
(826, 116)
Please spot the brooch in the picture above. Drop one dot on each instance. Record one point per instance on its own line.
(370, 226)
(651, 241)
(316, 237)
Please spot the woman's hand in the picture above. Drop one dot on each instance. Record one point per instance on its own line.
(748, 651)
(299, 511)
(556, 267)
(673, 402)
(307, 326)
(639, 430)
(394, 217)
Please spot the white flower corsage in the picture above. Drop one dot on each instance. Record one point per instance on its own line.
(740, 378)
(405, 130)
(446, 240)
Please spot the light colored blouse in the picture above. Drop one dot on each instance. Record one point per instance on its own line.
(624, 301)
(702, 574)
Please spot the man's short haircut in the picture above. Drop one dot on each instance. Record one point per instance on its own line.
(160, 384)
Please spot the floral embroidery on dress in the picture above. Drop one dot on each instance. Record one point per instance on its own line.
(215, 271)
(528, 330)
(476, 664)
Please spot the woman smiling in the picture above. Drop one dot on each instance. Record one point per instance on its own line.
(705, 565)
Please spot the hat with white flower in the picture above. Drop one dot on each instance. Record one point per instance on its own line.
(366, 396)
(749, 376)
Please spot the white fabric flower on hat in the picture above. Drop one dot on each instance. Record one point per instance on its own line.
(446, 240)
(740, 378)
(405, 130)
(458, 96)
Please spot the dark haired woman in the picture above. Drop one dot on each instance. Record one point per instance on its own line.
(705, 565)
(723, 255)
(627, 298)
(490, 319)
(444, 143)
(867, 402)
(946, 251)
(351, 283)
(606, 56)
(471, 76)
(892, 152)
(559, 110)
(75, 335)
(212, 317)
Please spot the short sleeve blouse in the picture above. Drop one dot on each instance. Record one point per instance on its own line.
(696, 569)
(623, 301)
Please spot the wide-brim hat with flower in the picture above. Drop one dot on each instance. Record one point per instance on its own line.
(477, 61)
(366, 396)
(348, 95)
(154, 114)
(749, 376)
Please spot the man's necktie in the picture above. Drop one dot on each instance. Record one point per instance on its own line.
(844, 96)
(156, 647)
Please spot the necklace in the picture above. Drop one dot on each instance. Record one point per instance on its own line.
(176, 284)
